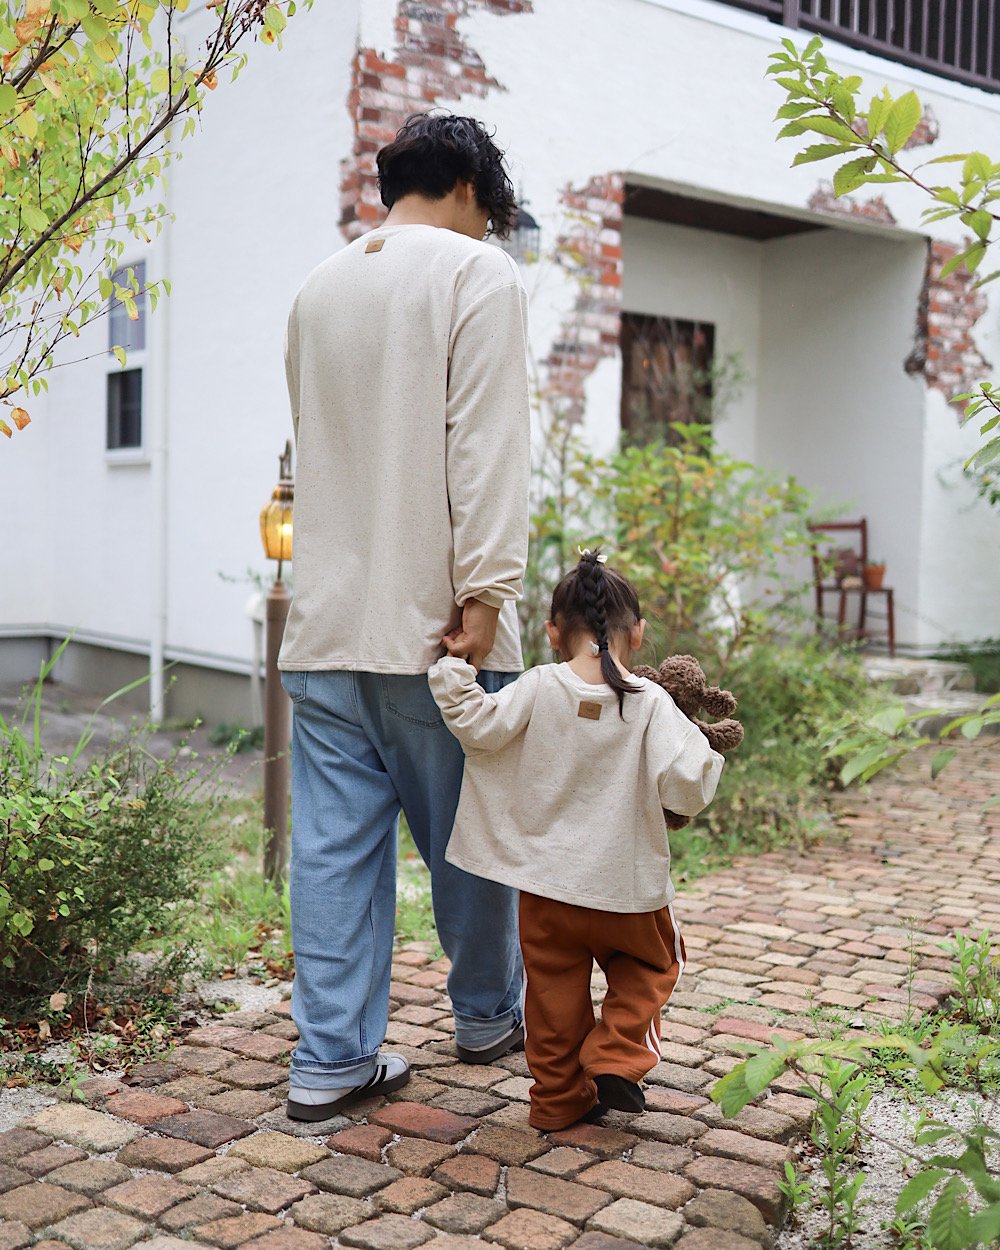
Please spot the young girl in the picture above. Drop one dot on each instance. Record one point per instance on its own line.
(567, 773)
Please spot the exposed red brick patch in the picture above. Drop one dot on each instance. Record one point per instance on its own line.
(944, 351)
(823, 200)
(591, 250)
(927, 130)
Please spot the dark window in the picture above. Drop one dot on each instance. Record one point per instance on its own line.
(122, 330)
(666, 375)
(125, 409)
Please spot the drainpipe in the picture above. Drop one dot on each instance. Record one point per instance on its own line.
(160, 442)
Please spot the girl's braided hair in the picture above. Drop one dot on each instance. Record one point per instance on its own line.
(593, 599)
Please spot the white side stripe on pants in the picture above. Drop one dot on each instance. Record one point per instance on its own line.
(677, 941)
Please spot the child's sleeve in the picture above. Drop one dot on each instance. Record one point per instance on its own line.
(481, 721)
(691, 770)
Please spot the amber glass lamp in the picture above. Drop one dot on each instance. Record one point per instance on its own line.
(276, 516)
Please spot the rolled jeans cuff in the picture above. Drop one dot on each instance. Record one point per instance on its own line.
(478, 1034)
(343, 1075)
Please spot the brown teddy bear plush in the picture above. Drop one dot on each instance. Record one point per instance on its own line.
(681, 676)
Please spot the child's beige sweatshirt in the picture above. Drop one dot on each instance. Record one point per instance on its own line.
(564, 799)
(407, 374)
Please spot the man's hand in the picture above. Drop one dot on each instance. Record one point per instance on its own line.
(473, 640)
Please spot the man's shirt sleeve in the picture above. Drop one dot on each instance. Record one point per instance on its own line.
(488, 446)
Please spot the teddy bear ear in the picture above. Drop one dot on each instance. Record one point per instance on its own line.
(719, 702)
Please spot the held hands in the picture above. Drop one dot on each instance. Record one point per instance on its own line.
(473, 639)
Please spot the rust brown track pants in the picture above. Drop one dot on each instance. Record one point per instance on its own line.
(641, 955)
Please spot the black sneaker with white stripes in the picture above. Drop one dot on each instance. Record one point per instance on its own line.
(391, 1072)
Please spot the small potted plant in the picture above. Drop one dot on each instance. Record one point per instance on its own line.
(873, 574)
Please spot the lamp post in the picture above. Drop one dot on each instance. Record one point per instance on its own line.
(276, 533)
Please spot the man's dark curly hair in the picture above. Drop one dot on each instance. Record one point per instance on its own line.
(431, 153)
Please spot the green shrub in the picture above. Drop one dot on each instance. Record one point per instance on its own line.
(96, 860)
(982, 657)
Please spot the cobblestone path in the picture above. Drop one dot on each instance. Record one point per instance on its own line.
(198, 1153)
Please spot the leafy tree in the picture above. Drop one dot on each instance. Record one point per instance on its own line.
(820, 102)
(93, 94)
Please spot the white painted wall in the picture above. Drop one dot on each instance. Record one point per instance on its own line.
(836, 408)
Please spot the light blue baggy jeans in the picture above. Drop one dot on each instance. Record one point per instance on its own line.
(365, 745)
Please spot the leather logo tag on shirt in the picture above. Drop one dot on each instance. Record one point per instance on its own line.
(374, 245)
(590, 711)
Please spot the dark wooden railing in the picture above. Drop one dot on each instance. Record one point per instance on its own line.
(958, 39)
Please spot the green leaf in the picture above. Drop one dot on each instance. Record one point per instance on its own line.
(949, 1223)
(33, 217)
(791, 109)
(27, 123)
(159, 80)
(852, 175)
(977, 166)
(120, 355)
(980, 221)
(902, 120)
(985, 1226)
(830, 126)
(761, 1070)
(973, 728)
(46, 865)
(731, 1093)
(917, 1189)
(941, 760)
(8, 99)
(820, 152)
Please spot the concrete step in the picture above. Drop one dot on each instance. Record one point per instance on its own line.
(908, 676)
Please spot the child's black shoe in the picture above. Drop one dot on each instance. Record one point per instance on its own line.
(618, 1093)
(595, 1115)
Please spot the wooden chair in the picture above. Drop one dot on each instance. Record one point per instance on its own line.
(847, 578)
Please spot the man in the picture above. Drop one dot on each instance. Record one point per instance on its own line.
(406, 363)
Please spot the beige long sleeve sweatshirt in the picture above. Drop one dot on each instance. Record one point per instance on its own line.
(406, 364)
(564, 799)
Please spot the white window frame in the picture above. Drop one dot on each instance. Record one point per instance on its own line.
(137, 359)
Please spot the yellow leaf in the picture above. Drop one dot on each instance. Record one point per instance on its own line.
(21, 419)
(210, 80)
(59, 284)
(5, 429)
(268, 36)
(74, 242)
(58, 1001)
(37, 8)
(27, 123)
(50, 85)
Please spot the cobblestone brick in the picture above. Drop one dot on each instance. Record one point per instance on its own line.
(329, 1213)
(473, 1077)
(715, 1239)
(289, 1238)
(468, 1102)
(41, 1162)
(217, 1168)
(243, 1104)
(264, 1189)
(627, 1180)
(526, 1228)
(13, 1178)
(415, 1157)
(364, 1140)
(562, 1161)
(100, 1229)
(676, 1076)
(14, 1235)
(202, 1060)
(640, 1222)
(21, 1141)
(277, 1121)
(413, 1120)
(200, 1210)
(756, 1121)
(162, 1241)
(675, 1130)
(234, 1230)
(260, 1046)
(388, 1232)
(553, 1196)
(659, 1098)
(252, 1074)
(600, 1140)
(661, 1157)
(147, 1196)
(90, 1176)
(721, 1209)
(476, 1173)
(192, 1088)
(508, 1146)
(162, 1154)
(143, 1108)
(409, 1194)
(276, 1150)
(40, 1204)
(464, 1213)
(347, 1174)
(755, 1183)
(89, 1130)
(204, 1128)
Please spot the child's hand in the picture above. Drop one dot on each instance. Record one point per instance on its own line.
(473, 639)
